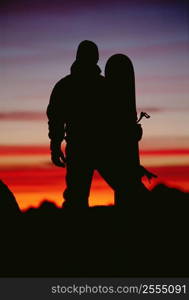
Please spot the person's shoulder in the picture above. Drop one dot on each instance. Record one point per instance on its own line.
(62, 85)
(63, 81)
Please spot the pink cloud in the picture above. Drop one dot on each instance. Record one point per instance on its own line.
(154, 50)
(22, 116)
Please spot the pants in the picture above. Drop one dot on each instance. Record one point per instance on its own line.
(117, 172)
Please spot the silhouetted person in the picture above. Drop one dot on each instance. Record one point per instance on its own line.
(73, 116)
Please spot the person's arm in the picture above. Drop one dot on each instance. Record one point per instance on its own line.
(56, 125)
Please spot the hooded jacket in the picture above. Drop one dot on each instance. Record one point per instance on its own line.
(74, 104)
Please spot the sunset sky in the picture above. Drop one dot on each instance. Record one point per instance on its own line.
(38, 44)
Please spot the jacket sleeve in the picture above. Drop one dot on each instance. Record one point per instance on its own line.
(55, 114)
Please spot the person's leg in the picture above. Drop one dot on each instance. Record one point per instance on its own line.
(78, 179)
(131, 192)
(113, 175)
(124, 180)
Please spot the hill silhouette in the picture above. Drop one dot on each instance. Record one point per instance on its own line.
(8, 204)
(146, 238)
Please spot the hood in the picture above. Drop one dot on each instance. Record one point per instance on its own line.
(85, 69)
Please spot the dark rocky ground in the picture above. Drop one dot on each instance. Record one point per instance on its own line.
(149, 237)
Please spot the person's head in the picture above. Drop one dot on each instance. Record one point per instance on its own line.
(119, 68)
(87, 52)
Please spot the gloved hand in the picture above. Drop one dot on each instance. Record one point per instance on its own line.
(57, 156)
